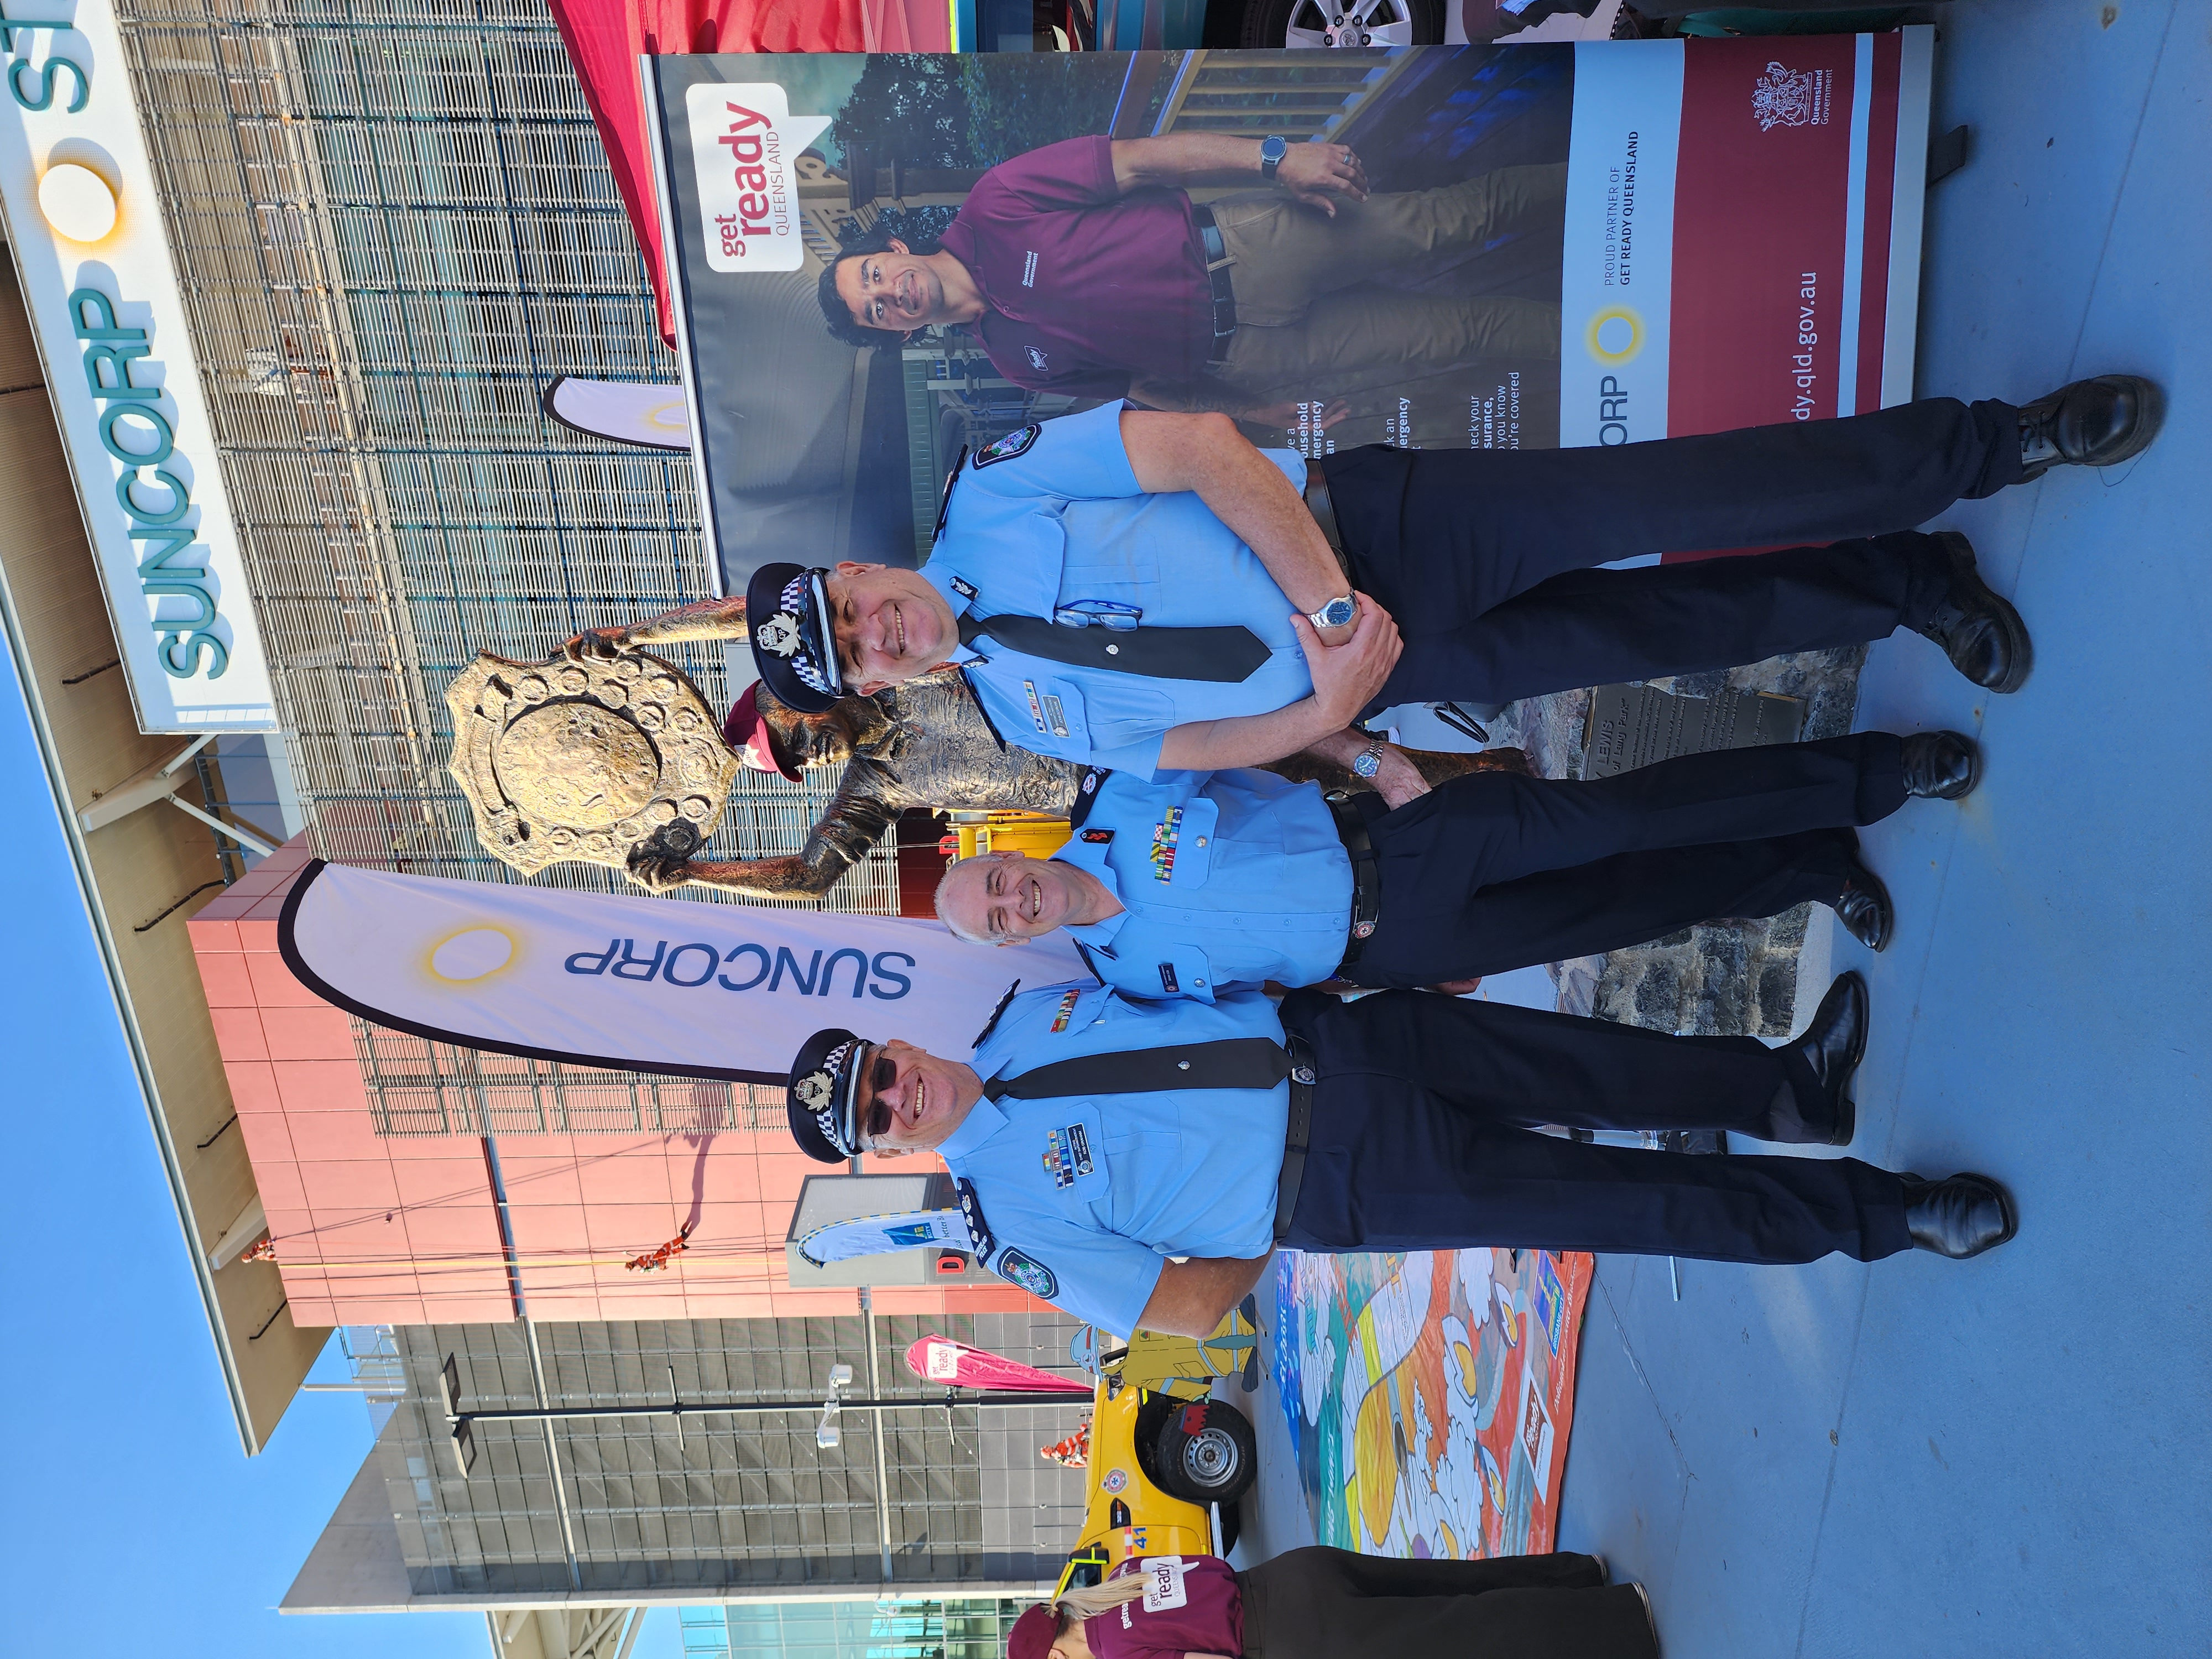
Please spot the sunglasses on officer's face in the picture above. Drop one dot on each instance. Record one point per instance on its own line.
(881, 1076)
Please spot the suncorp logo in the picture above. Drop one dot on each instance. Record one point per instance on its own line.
(1615, 336)
(694, 965)
(744, 144)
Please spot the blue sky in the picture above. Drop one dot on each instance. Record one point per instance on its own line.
(133, 1516)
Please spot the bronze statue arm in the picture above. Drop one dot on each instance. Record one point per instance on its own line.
(709, 619)
(841, 838)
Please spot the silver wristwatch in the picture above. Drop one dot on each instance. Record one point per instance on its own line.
(1369, 761)
(1336, 614)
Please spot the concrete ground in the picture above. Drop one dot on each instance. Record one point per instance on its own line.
(2005, 1456)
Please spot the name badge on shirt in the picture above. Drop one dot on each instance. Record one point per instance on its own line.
(1163, 1585)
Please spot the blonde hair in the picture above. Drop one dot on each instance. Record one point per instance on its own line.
(1098, 1598)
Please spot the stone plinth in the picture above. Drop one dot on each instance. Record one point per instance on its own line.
(1726, 977)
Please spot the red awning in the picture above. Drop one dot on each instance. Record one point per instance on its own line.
(605, 39)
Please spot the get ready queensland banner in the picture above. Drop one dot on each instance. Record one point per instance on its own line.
(643, 984)
(1569, 244)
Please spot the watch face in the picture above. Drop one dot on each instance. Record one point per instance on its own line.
(1275, 149)
(1337, 613)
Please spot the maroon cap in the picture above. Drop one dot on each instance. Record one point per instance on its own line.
(747, 732)
(1031, 1636)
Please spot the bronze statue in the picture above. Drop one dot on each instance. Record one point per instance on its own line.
(924, 744)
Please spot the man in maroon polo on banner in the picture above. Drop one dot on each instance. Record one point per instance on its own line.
(1084, 268)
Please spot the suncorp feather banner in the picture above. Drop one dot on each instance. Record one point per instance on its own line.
(645, 984)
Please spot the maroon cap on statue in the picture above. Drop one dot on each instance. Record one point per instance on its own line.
(1031, 1636)
(745, 731)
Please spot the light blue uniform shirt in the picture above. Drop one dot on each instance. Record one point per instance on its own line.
(1224, 878)
(1062, 524)
(1083, 1198)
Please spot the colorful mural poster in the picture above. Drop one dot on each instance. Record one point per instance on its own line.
(1430, 1397)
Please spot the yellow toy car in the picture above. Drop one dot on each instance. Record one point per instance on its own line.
(1167, 1461)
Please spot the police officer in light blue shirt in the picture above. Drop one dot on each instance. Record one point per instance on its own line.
(1094, 1138)
(1116, 582)
(1218, 879)
(1199, 881)
(1082, 1199)
(1096, 580)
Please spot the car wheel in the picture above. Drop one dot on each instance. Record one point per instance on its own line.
(1206, 1453)
(1343, 24)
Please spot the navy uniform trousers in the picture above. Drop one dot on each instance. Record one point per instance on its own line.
(1423, 1139)
(1322, 1603)
(1482, 555)
(1494, 871)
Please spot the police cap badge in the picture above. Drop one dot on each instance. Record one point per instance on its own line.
(824, 1087)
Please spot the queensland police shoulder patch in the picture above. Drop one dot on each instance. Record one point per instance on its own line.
(1027, 1272)
(1013, 445)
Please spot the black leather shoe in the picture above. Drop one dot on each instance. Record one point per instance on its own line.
(1832, 1046)
(2095, 423)
(1976, 625)
(1865, 909)
(1942, 765)
(1959, 1217)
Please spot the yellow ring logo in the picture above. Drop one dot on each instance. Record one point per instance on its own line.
(1615, 336)
(474, 953)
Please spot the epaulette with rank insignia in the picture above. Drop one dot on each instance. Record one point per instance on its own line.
(971, 1211)
(997, 1013)
(1087, 794)
(945, 501)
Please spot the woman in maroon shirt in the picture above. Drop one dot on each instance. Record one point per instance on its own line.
(1323, 1603)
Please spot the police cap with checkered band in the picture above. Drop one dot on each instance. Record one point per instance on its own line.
(824, 1089)
(787, 615)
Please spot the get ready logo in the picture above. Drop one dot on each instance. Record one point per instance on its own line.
(745, 143)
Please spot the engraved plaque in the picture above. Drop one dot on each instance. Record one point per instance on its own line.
(589, 760)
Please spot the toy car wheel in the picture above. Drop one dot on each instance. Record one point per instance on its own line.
(1206, 1453)
(1343, 24)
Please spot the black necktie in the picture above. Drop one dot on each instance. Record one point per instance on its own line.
(1223, 654)
(1229, 1063)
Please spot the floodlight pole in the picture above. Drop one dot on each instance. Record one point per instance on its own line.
(749, 1408)
(460, 1423)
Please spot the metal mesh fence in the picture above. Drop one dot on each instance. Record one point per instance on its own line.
(418, 1087)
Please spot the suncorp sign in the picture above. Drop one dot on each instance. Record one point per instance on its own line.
(86, 232)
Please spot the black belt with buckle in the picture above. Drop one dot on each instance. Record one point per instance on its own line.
(1215, 252)
(1366, 874)
(1296, 1134)
(1324, 512)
